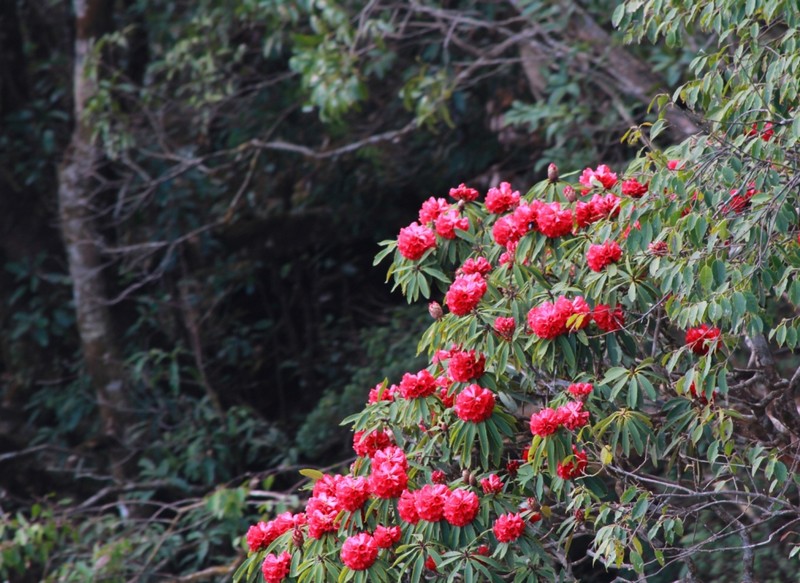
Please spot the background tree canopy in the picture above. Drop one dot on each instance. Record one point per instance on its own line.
(193, 193)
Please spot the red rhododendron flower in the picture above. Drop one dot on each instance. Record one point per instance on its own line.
(461, 507)
(388, 478)
(574, 467)
(326, 485)
(415, 386)
(550, 320)
(658, 249)
(508, 527)
(351, 493)
(448, 222)
(367, 444)
(580, 389)
(430, 564)
(478, 265)
(701, 396)
(448, 400)
(501, 199)
(407, 507)
(276, 567)
(599, 256)
(581, 315)
(739, 202)
(430, 500)
(464, 192)
(474, 404)
(572, 415)
(386, 536)
(359, 552)
(505, 327)
(766, 134)
(634, 188)
(492, 484)
(702, 339)
(504, 231)
(604, 207)
(466, 365)
(414, 240)
(465, 293)
(321, 513)
(602, 176)
(432, 209)
(553, 221)
(512, 466)
(674, 165)
(545, 422)
(257, 537)
(438, 477)
(607, 319)
(379, 393)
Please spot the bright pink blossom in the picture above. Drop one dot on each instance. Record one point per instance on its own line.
(415, 386)
(359, 552)
(466, 365)
(414, 240)
(580, 389)
(702, 339)
(367, 444)
(386, 536)
(602, 176)
(465, 293)
(432, 209)
(607, 319)
(461, 507)
(464, 192)
(545, 422)
(600, 256)
(553, 221)
(381, 393)
(501, 198)
(504, 327)
(492, 484)
(474, 404)
(407, 507)
(429, 501)
(573, 468)
(276, 567)
(448, 222)
(572, 415)
(508, 527)
(634, 188)
(478, 265)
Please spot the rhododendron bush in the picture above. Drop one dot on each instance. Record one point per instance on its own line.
(602, 363)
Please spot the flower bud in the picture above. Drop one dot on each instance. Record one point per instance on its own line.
(569, 193)
(580, 516)
(297, 537)
(465, 475)
(552, 173)
(658, 249)
(435, 310)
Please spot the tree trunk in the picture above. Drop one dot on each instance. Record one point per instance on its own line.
(76, 181)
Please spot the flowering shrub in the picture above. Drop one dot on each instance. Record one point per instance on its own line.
(607, 334)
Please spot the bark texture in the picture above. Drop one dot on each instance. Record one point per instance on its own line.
(76, 184)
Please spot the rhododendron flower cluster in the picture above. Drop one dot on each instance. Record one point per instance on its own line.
(414, 240)
(351, 493)
(549, 320)
(367, 444)
(492, 484)
(415, 386)
(508, 527)
(702, 339)
(386, 536)
(359, 552)
(600, 256)
(501, 198)
(388, 478)
(464, 192)
(474, 404)
(580, 390)
(276, 567)
(465, 293)
(633, 188)
(263, 534)
(478, 265)
(608, 319)
(505, 327)
(574, 467)
(548, 421)
(602, 176)
(461, 507)
(465, 365)
(447, 223)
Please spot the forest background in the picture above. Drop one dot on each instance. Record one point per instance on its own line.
(192, 195)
